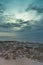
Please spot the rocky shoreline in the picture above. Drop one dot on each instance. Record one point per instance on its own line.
(15, 49)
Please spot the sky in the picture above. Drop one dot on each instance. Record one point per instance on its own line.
(21, 20)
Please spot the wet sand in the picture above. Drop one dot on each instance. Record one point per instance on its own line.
(19, 61)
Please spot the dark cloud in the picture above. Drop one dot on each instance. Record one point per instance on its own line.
(36, 5)
(9, 25)
(2, 8)
(36, 26)
(39, 10)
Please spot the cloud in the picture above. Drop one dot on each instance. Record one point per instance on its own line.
(22, 25)
(2, 8)
(39, 10)
(33, 26)
(24, 21)
(36, 5)
(9, 25)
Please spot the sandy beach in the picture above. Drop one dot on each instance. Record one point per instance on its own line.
(19, 61)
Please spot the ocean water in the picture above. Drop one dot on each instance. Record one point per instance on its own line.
(28, 37)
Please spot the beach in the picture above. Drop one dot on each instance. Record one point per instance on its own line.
(19, 61)
(20, 53)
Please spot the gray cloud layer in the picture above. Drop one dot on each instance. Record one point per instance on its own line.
(24, 26)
